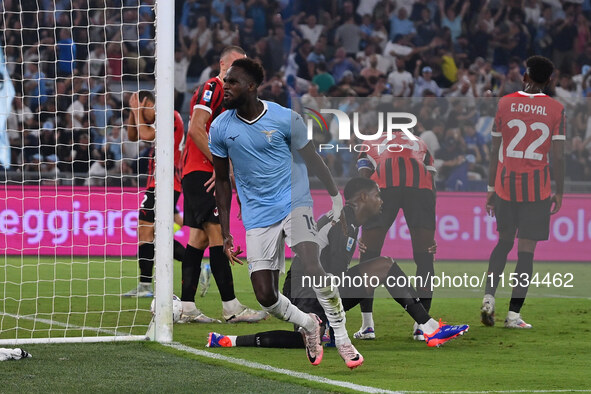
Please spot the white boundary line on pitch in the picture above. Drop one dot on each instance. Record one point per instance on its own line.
(282, 371)
(65, 325)
(338, 383)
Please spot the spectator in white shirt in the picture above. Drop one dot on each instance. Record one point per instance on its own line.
(401, 81)
(310, 31)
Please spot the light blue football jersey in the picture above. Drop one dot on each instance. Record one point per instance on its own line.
(271, 177)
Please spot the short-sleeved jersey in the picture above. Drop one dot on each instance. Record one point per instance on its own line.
(207, 97)
(179, 131)
(402, 162)
(271, 177)
(527, 124)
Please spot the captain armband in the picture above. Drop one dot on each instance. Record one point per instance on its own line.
(367, 163)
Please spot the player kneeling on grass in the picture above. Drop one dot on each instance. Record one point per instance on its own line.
(362, 202)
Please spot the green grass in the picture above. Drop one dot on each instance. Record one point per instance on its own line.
(126, 368)
(554, 355)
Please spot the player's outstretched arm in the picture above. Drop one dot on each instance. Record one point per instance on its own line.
(319, 168)
(492, 174)
(198, 133)
(558, 172)
(223, 198)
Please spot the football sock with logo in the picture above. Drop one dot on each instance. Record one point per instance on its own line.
(330, 300)
(222, 272)
(496, 265)
(425, 270)
(178, 251)
(146, 261)
(191, 268)
(283, 309)
(272, 339)
(406, 296)
(523, 269)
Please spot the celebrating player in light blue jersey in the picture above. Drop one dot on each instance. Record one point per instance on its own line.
(269, 150)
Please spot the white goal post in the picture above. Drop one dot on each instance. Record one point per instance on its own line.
(71, 183)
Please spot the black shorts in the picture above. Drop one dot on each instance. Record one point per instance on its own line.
(531, 220)
(147, 206)
(199, 205)
(418, 206)
(177, 195)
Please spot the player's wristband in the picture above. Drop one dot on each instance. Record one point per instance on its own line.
(364, 162)
(337, 206)
(490, 188)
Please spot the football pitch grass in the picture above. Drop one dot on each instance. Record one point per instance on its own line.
(555, 355)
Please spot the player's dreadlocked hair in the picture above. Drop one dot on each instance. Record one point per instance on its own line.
(357, 185)
(252, 68)
(539, 69)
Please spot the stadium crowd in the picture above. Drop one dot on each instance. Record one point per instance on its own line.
(74, 62)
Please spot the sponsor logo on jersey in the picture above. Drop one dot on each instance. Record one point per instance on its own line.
(207, 96)
(350, 242)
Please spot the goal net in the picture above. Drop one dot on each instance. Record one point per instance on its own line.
(72, 179)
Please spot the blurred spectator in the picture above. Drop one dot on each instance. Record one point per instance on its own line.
(77, 112)
(424, 82)
(348, 35)
(578, 161)
(66, 52)
(400, 80)
(237, 12)
(35, 84)
(218, 11)
(316, 56)
(274, 91)
(453, 167)
(310, 31)
(452, 20)
(341, 63)
(323, 79)
(400, 24)
(182, 60)
(227, 34)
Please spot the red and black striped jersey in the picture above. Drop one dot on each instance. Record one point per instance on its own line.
(179, 131)
(207, 97)
(527, 124)
(402, 162)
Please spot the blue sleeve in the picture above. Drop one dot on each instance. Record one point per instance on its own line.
(299, 132)
(217, 145)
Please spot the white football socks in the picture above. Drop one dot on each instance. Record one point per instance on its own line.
(366, 320)
(283, 309)
(430, 327)
(330, 300)
(188, 306)
(231, 307)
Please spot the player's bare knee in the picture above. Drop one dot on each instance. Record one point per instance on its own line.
(214, 234)
(198, 239)
(145, 232)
